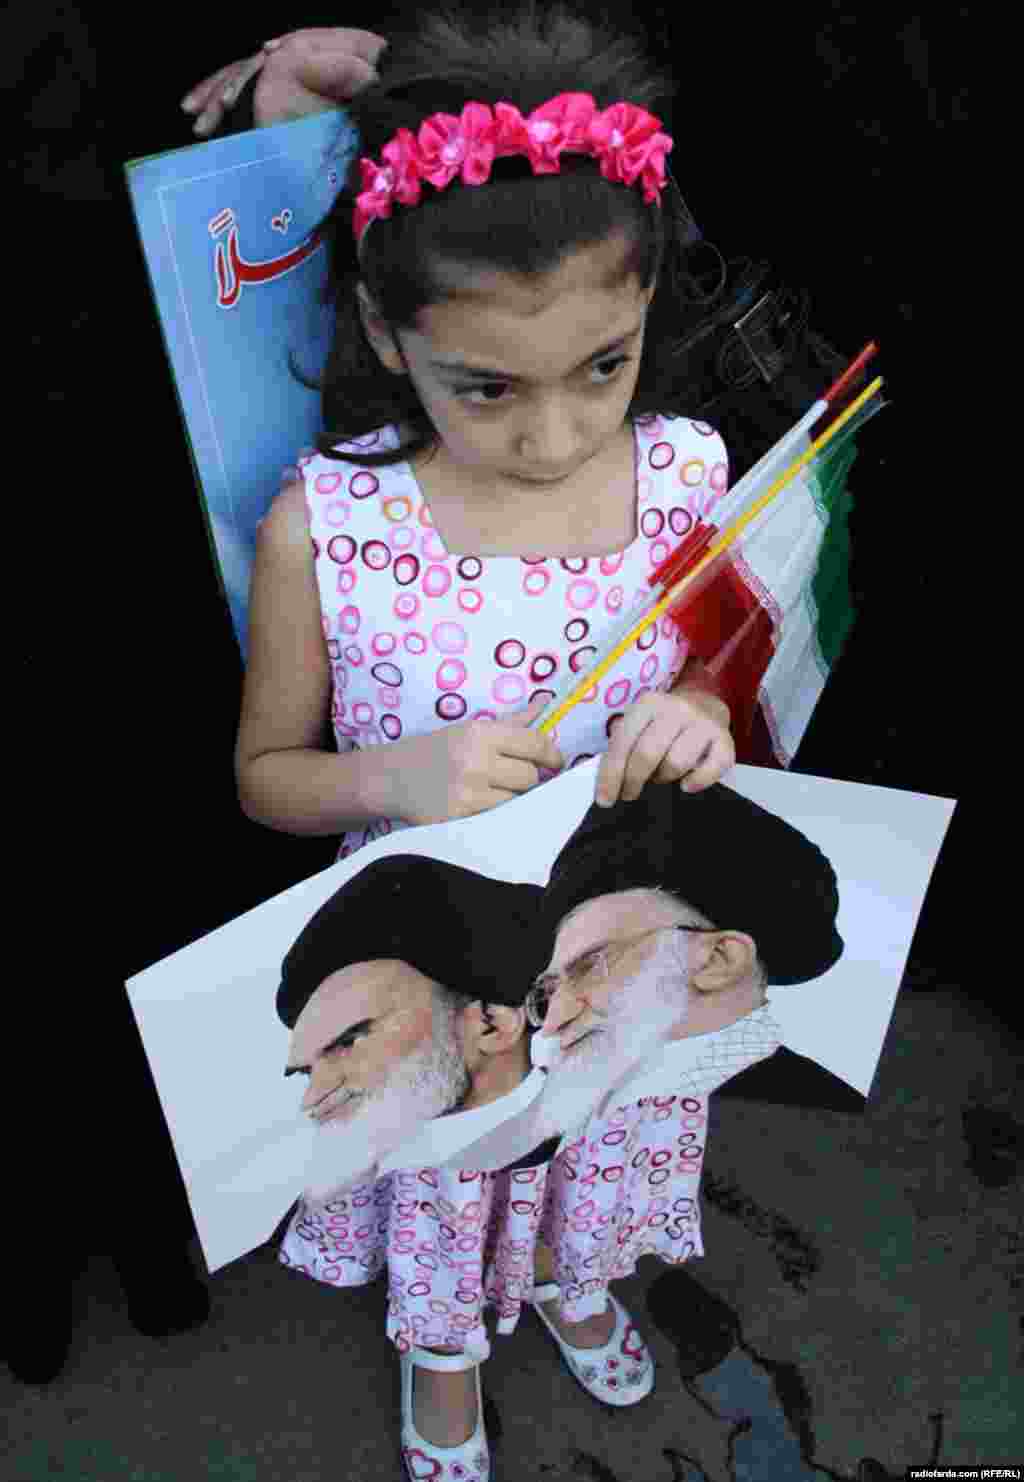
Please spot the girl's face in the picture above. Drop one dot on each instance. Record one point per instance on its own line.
(525, 383)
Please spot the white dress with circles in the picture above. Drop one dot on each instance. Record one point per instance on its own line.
(419, 639)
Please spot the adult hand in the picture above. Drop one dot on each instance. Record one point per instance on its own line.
(468, 768)
(666, 738)
(304, 72)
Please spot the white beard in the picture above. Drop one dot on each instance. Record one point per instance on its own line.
(426, 1084)
(642, 1014)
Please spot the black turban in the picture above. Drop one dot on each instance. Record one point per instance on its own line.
(469, 933)
(742, 867)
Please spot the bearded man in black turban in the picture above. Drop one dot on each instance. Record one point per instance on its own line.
(404, 994)
(671, 915)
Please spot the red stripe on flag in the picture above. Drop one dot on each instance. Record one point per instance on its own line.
(726, 606)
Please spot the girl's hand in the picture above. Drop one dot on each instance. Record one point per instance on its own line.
(467, 768)
(304, 72)
(666, 738)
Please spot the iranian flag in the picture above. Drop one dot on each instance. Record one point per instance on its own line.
(776, 609)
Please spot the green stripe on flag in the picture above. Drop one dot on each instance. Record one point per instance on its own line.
(830, 590)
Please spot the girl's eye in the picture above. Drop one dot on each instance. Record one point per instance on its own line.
(464, 392)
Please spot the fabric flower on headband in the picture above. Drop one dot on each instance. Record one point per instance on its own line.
(562, 123)
(398, 178)
(451, 146)
(625, 139)
(628, 145)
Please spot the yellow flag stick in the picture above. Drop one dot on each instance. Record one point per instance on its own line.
(730, 534)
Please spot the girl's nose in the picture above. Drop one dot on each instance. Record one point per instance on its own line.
(554, 438)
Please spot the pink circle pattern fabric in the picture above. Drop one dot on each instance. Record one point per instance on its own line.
(466, 636)
(456, 1242)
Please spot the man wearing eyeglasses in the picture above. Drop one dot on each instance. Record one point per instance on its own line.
(670, 916)
(623, 984)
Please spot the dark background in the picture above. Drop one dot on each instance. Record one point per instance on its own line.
(825, 139)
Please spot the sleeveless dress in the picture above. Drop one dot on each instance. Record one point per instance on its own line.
(418, 639)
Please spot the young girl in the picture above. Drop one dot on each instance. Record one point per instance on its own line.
(497, 494)
(507, 456)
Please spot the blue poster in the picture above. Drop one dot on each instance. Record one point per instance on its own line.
(237, 271)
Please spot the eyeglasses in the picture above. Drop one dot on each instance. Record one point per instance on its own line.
(598, 961)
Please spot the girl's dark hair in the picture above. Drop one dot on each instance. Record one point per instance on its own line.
(693, 364)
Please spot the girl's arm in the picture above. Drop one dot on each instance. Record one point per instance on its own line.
(286, 780)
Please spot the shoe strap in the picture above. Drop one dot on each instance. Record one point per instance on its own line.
(446, 1363)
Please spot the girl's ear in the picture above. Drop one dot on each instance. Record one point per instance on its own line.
(368, 309)
(378, 334)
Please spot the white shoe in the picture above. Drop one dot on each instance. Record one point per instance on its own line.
(619, 1373)
(423, 1462)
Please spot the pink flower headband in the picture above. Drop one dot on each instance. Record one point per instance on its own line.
(624, 138)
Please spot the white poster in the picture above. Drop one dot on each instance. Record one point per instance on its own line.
(218, 1050)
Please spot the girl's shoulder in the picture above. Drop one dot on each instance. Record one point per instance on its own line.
(286, 524)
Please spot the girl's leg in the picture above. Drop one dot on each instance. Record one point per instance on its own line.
(592, 1332)
(444, 1405)
(544, 1265)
